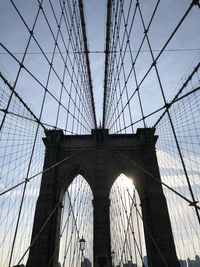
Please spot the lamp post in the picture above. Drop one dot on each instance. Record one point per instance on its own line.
(112, 257)
(82, 247)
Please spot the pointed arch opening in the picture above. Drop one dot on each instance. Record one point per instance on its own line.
(126, 224)
(76, 223)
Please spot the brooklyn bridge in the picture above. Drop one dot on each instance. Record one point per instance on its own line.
(99, 133)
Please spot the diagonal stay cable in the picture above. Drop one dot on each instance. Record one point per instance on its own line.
(21, 100)
(161, 51)
(133, 61)
(20, 66)
(36, 237)
(66, 46)
(191, 203)
(51, 214)
(43, 171)
(134, 203)
(71, 206)
(165, 107)
(176, 97)
(42, 123)
(45, 56)
(150, 235)
(168, 113)
(42, 85)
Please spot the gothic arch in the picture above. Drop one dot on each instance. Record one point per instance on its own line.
(77, 205)
(125, 219)
(108, 156)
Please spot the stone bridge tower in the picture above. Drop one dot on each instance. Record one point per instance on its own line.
(109, 155)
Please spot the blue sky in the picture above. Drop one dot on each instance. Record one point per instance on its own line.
(180, 57)
(172, 65)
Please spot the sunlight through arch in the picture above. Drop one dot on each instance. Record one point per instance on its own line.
(127, 235)
(76, 222)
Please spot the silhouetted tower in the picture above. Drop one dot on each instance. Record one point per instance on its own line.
(135, 156)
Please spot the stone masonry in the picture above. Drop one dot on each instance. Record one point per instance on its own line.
(108, 155)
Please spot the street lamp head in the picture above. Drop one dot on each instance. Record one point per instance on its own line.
(82, 244)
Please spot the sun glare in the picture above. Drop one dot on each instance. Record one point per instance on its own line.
(125, 181)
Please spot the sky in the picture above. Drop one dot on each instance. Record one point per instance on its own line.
(176, 62)
(172, 65)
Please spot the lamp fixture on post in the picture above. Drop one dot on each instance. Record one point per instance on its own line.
(82, 247)
(82, 244)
